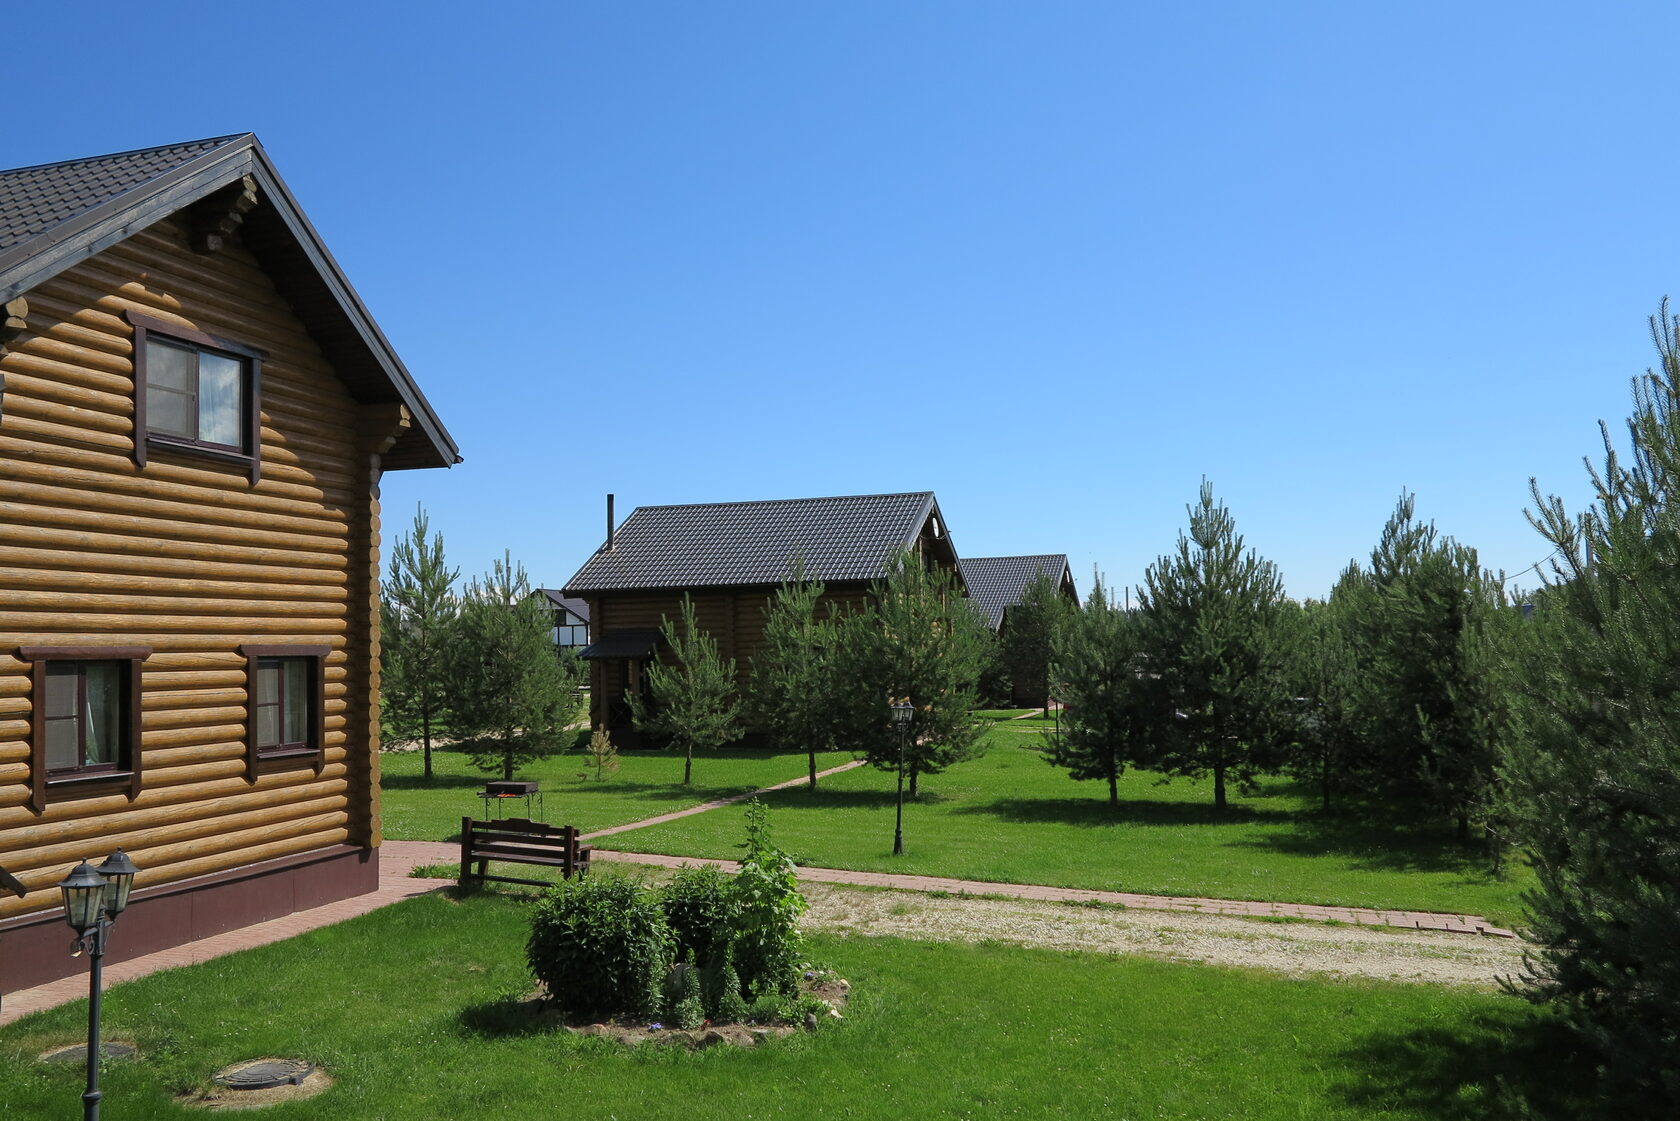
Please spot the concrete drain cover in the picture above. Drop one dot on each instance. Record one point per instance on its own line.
(265, 1074)
(77, 1052)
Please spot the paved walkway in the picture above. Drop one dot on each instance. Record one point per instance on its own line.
(704, 806)
(395, 885)
(438, 852)
(398, 859)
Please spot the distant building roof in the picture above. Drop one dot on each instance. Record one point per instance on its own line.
(729, 543)
(996, 584)
(576, 606)
(54, 216)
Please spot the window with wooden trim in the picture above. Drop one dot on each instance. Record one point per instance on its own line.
(285, 707)
(195, 393)
(84, 719)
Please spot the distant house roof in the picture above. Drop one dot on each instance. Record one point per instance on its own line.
(54, 216)
(577, 607)
(996, 584)
(730, 543)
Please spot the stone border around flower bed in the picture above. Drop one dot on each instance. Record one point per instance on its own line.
(834, 992)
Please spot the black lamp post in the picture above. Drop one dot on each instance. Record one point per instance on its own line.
(93, 898)
(902, 712)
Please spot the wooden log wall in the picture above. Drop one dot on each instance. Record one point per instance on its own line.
(734, 617)
(187, 556)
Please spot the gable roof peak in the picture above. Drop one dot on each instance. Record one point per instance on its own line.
(54, 216)
(721, 544)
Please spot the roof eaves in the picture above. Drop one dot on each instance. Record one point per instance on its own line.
(339, 285)
(37, 259)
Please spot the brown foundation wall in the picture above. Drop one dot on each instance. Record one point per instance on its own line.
(36, 949)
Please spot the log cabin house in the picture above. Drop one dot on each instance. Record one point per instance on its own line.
(731, 557)
(996, 584)
(195, 411)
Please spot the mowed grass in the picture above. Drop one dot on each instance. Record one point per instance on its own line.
(1011, 817)
(646, 784)
(413, 1011)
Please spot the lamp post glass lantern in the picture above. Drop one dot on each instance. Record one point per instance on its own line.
(902, 713)
(93, 898)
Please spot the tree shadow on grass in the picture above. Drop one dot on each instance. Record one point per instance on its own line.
(1130, 811)
(1374, 837)
(802, 797)
(1489, 1069)
(506, 1017)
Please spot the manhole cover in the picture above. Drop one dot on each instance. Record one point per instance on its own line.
(265, 1074)
(77, 1052)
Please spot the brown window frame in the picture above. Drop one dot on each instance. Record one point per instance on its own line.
(262, 761)
(249, 455)
(126, 773)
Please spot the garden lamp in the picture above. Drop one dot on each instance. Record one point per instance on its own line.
(902, 713)
(84, 892)
(93, 898)
(119, 872)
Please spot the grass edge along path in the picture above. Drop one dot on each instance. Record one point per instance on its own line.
(1007, 817)
(716, 803)
(1353, 916)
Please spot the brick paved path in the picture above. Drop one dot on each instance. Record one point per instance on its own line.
(1353, 916)
(395, 885)
(397, 859)
(438, 852)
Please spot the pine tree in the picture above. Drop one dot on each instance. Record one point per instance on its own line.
(417, 622)
(1098, 664)
(1428, 687)
(692, 698)
(603, 754)
(1324, 750)
(1029, 629)
(1209, 611)
(512, 694)
(920, 639)
(793, 678)
(1593, 777)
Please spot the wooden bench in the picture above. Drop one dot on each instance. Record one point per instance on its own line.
(519, 840)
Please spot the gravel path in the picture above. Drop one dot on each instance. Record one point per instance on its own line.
(1285, 947)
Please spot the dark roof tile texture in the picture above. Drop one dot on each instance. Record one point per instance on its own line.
(35, 199)
(728, 543)
(996, 584)
(576, 606)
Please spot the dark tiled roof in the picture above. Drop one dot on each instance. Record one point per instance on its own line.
(35, 199)
(997, 583)
(631, 642)
(576, 606)
(54, 216)
(725, 543)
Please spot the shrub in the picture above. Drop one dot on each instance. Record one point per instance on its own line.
(700, 906)
(768, 948)
(727, 1005)
(601, 945)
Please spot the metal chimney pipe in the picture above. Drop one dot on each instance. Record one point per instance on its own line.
(610, 526)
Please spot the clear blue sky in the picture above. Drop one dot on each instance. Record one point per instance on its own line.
(1053, 261)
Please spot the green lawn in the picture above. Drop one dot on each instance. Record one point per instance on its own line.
(646, 784)
(1011, 817)
(410, 1009)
